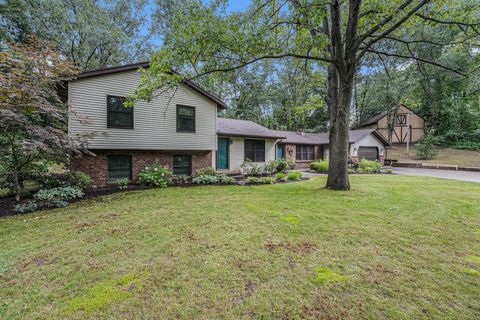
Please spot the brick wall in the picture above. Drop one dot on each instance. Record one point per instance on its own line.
(96, 166)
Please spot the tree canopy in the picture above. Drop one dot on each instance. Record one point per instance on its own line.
(333, 36)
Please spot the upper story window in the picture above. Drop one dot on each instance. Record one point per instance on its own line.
(255, 150)
(118, 115)
(401, 119)
(185, 119)
(305, 152)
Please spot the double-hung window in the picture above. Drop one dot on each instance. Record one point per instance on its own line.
(185, 119)
(182, 164)
(119, 167)
(118, 116)
(255, 150)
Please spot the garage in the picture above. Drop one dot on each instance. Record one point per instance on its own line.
(369, 153)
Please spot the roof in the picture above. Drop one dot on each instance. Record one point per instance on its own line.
(377, 117)
(245, 128)
(135, 66)
(293, 137)
(373, 119)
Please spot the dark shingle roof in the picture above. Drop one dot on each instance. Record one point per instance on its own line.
(294, 137)
(244, 128)
(373, 119)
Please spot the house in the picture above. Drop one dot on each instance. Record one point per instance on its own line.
(181, 130)
(407, 125)
(303, 148)
(176, 128)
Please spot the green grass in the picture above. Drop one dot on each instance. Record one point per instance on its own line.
(393, 248)
(452, 156)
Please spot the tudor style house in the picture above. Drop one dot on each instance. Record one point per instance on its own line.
(181, 130)
(405, 126)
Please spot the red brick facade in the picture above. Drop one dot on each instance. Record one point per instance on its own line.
(96, 166)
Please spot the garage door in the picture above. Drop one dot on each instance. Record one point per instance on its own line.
(369, 153)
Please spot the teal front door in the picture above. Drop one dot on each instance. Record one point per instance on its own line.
(280, 151)
(222, 153)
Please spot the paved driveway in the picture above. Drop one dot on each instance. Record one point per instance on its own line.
(447, 174)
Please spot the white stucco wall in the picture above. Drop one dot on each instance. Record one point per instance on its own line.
(237, 152)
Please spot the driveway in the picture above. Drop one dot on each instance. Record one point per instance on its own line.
(447, 174)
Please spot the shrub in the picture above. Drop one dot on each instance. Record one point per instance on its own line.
(425, 148)
(283, 165)
(389, 171)
(205, 179)
(155, 175)
(251, 180)
(281, 176)
(207, 172)
(181, 180)
(249, 168)
(294, 175)
(270, 167)
(25, 207)
(320, 166)
(57, 197)
(366, 166)
(76, 179)
(226, 179)
(266, 180)
(122, 183)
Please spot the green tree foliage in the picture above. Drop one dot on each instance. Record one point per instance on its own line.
(448, 100)
(333, 36)
(91, 33)
(33, 117)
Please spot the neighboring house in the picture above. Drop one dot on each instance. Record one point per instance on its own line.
(180, 129)
(407, 125)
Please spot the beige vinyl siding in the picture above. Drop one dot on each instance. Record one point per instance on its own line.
(367, 141)
(154, 123)
(237, 152)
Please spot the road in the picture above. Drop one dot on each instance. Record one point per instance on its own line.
(447, 174)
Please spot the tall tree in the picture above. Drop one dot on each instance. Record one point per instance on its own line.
(333, 35)
(33, 118)
(91, 33)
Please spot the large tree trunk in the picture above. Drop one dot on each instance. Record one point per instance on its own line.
(340, 97)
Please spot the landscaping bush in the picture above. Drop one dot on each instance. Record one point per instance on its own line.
(425, 148)
(282, 165)
(76, 179)
(226, 179)
(155, 175)
(281, 176)
(25, 207)
(366, 166)
(207, 172)
(251, 180)
(57, 197)
(320, 166)
(249, 168)
(122, 183)
(266, 180)
(205, 179)
(294, 175)
(182, 180)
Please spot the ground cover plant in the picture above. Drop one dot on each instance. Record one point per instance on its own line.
(393, 247)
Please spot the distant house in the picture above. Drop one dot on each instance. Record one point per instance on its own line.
(181, 131)
(407, 125)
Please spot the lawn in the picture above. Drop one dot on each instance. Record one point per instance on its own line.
(458, 157)
(394, 247)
